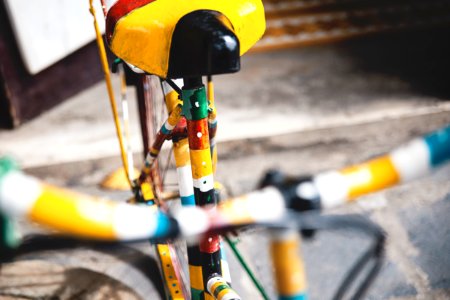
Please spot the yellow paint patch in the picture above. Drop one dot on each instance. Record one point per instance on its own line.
(175, 116)
(218, 186)
(372, 176)
(289, 268)
(215, 285)
(181, 153)
(147, 191)
(236, 211)
(208, 296)
(201, 163)
(172, 101)
(214, 159)
(169, 273)
(117, 180)
(210, 91)
(223, 293)
(143, 37)
(73, 213)
(196, 277)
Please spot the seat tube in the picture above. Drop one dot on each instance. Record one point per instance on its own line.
(288, 265)
(204, 259)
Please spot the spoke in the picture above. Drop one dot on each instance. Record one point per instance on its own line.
(166, 167)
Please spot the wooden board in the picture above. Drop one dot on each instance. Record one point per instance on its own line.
(23, 95)
(46, 31)
(292, 23)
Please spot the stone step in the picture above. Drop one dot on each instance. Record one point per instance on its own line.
(298, 22)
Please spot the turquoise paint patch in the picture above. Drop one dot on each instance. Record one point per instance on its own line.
(9, 238)
(222, 252)
(294, 297)
(438, 143)
(164, 130)
(213, 124)
(163, 225)
(188, 200)
(7, 165)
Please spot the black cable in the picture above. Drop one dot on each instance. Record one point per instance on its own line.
(38, 242)
(174, 86)
(353, 273)
(314, 221)
(371, 254)
(367, 282)
(374, 253)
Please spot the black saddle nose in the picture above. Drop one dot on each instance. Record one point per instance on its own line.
(203, 43)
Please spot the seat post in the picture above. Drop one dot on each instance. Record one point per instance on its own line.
(192, 82)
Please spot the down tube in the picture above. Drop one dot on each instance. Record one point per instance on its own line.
(212, 129)
(288, 265)
(204, 259)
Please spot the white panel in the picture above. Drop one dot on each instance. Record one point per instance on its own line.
(48, 30)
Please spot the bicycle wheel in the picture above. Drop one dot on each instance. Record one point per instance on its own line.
(152, 114)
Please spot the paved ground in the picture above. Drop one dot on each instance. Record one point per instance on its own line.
(275, 93)
(344, 103)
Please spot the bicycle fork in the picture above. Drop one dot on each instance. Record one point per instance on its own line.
(289, 272)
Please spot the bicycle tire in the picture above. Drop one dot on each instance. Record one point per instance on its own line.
(152, 114)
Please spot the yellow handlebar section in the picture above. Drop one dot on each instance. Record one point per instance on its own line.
(91, 217)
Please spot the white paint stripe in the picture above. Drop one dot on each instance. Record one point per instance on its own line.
(134, 221)
(213, 280)
(135, 69)
(125, 113)
(18, 193)
(307, 190)
(205, 183)
(167, 88)
(332, 187)
(231, 295)
(192, 221)
(283, 235)
(412, 160)
(168, 126)
(149, 160)
(225, 268)
(185, 181)
(265, 205)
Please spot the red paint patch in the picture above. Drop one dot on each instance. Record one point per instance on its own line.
(198, 134)
(118, 10)
(210, 244)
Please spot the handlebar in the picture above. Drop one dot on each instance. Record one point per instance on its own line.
(97, 218)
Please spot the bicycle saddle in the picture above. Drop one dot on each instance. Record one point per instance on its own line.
(184, 38)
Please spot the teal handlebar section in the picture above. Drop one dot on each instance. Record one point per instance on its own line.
(7, 165)
(438, 144)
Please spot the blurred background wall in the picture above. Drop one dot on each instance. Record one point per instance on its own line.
(47, 53)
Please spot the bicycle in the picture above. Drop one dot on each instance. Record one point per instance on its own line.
(230, 211)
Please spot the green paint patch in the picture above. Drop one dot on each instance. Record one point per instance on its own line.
(196, 294)
(195, 105)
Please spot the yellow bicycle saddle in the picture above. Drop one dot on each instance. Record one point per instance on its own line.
(184, 38)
